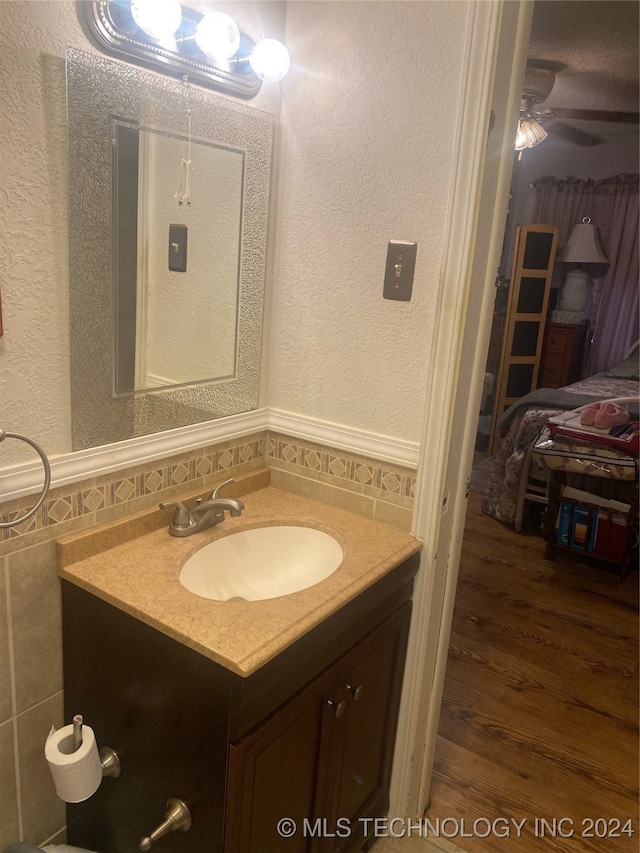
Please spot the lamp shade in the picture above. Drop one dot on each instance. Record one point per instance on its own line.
(530, 133)
(583, 246)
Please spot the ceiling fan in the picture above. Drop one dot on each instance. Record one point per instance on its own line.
(538, 84)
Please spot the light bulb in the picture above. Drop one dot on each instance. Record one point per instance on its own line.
(217, 35)
(270, 60)
(158, 18)
(530, 133)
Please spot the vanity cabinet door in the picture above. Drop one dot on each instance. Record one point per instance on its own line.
(324, 758)
(370, 678)
(279, 771)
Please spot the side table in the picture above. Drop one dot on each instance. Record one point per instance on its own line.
(593, 499)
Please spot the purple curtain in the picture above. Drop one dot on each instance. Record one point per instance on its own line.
(612, 205)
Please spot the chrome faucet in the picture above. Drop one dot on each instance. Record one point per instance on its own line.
(205, 514)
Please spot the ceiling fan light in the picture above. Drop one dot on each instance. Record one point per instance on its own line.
(538, 82)
(530, 133)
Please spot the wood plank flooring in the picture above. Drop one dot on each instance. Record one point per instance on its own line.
(540, 711)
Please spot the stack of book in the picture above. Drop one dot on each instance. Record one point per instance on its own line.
(594, 524)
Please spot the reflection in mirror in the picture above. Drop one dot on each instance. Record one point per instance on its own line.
(175, 281)
(166, 298)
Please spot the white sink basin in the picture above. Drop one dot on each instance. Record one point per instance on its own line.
(264, 562)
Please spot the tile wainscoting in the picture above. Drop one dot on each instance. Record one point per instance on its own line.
(379, 490)
(30, 617)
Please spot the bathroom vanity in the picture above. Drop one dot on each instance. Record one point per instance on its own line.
(251, 713)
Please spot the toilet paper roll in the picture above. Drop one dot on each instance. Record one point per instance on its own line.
(76, 775)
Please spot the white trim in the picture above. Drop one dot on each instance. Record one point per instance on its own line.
(25, 479)
(374, 446)
(142, 271)
(20, 480)
(444, 447)
(468, 158)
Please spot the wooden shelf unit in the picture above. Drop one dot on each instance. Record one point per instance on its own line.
(533, 261)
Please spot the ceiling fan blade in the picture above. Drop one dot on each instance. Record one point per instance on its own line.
(597, 115)
(573, 134)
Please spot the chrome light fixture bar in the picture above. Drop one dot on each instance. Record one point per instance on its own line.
(113, 28)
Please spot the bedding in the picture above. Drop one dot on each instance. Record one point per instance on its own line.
(628, 369)
(523, 421)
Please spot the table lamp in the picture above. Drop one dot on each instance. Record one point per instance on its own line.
(582, 247)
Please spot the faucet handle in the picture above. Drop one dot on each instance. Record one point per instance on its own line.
(216, 491)
(181, 517)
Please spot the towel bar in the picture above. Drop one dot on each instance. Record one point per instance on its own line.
(47, 477)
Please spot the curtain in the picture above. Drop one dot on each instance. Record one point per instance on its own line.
(612, 205)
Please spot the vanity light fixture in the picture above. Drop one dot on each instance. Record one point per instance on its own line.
(218, 36)
(159, 19)
(270, 60)
(172, 39)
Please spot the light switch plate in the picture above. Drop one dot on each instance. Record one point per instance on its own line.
(401, 264)
(178, 248)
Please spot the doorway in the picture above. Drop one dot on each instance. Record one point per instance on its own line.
(472, 344)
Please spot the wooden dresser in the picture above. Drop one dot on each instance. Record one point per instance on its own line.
(562, 351)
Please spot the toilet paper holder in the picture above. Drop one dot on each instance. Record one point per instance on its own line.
(110, 762)
(77, 765)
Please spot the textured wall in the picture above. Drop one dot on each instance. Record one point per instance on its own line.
(366, 154)
(34, 351)
(367, 137)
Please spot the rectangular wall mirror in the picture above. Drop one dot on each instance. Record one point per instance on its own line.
(167, 261)
(177, 273)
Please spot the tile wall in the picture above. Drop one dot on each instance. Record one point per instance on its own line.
(379, 490)
(30, 618)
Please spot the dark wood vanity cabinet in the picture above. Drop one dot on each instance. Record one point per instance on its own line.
(279, 772)
(323, 760)
(309, 736)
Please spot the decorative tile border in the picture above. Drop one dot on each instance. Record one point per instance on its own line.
(115, 491)
(371, 477)
(88, 499)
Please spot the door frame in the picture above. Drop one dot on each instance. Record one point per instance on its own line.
(497, 42)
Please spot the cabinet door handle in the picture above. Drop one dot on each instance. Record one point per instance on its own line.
(356, 691)
(338, 707)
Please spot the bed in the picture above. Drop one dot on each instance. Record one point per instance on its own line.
(522, 423)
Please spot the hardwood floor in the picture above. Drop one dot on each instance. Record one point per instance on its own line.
(540, 711)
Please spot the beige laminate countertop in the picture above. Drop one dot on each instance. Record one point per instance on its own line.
(141, 577)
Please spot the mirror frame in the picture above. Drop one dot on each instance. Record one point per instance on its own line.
(98, 90)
